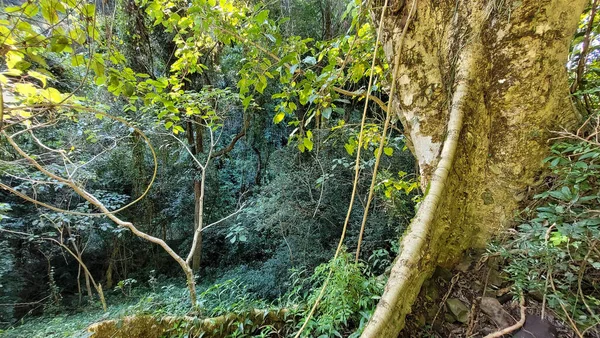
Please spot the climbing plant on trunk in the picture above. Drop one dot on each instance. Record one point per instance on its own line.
(480, 86)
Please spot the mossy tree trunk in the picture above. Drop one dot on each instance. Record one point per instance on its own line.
(500, 65)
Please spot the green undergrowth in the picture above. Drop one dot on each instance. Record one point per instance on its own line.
(555, 254)
(347, 303)
(351, 295)
(164, 300)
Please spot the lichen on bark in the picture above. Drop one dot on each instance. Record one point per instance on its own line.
(517, 93)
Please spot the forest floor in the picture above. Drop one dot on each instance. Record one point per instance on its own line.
(452, 304)
(474, 300)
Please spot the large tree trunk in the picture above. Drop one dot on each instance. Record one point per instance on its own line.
(500, 67)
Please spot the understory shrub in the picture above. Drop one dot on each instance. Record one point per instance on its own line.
(555, 252)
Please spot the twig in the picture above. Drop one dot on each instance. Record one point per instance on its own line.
(472, 319)
(573, 325)
(454, 280)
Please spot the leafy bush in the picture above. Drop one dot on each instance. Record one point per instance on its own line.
(348, 301)
(555, 252)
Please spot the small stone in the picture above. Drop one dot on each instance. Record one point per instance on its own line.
(492, 307)
(449, 318)
(421, 320)
(496, 278)
(536, 327)
(536, 295)
(458, 309)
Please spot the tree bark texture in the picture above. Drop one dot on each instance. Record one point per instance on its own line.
(501, 65)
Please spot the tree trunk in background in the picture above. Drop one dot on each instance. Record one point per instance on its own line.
(198, 211)
(514, 55)
(145, 207)
(327, 14)
(111, 264)
(198, 200)
(258, 177)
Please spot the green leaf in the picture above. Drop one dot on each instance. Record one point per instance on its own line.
(279, 117)
(49, 12)
(58, 44)
(13, 58)
(389, 151)
(308, 143)
(26, 89)
(350, 148)
(178, 129)
(52, 95)
(12, 9)
(246, 101)
(30, 9)
(262, 16)
(261, 84)
(77, 60)
(37, 75)
(100, 80)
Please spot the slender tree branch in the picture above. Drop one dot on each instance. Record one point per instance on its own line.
(356, 174)
(95, 111)
(231, 145)
(241, 208)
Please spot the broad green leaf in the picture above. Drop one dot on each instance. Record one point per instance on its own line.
(37, 75)
(26, 89)
(308, 143)
(52, 95)
(13, 58)
(279, 117)
(262, 16)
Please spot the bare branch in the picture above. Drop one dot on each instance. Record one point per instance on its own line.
(225, 218)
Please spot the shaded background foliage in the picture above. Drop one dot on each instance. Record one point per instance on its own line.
(293, 200)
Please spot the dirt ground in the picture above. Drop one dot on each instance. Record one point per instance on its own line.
(475, 300)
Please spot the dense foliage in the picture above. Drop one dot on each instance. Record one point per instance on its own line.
(227, 133)
(248, 112)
